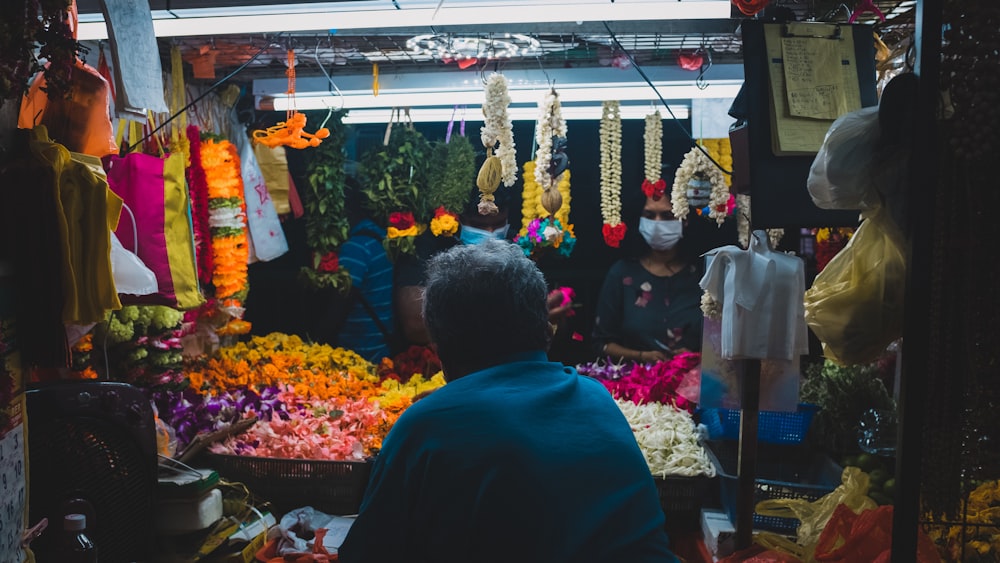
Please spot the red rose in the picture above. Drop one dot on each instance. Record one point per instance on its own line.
(401, 220)
(655, 189)
(613, 235)
(442, 211)
(329, 262)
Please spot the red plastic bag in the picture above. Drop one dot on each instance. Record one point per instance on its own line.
(865, 538)
(758, 554)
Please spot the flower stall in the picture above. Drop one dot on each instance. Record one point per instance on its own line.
(314, 406)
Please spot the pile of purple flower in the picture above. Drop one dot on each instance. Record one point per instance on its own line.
(191, 413)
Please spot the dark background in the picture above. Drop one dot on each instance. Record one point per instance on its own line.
(277, 302)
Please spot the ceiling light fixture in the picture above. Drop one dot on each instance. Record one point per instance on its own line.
(374, 14)
(593, 93)
(475, 115)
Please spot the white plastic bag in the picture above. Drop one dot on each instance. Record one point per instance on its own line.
(131, 275)
(840, 176)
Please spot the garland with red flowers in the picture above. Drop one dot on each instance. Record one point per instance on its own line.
(198, 186)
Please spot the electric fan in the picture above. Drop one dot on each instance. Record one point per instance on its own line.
(92, 449)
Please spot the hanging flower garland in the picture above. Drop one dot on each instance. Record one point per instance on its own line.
(611, 173)
(498, 127)
(653, 185)
(454, 170)
(228, 224)
(531, 198)
(199, 208)
(539, 229)
(326, 222)
(550, 124)
(394, 180)
(697, 166)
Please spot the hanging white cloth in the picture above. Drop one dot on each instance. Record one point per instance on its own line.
(761, 295)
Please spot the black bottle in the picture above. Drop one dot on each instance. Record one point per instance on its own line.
(74, 545)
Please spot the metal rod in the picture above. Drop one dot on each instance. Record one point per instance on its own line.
(747, 454)
(916, 341)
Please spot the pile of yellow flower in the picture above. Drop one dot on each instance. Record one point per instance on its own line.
(981, 533)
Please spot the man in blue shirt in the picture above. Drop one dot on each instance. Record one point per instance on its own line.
(516, 458)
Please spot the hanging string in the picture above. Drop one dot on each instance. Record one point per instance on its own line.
(673, 117)
(226, 78)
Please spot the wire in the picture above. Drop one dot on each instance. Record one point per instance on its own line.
(664, 102)
(199, 98)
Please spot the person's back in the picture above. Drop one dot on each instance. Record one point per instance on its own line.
(517, 458)
(372, 276)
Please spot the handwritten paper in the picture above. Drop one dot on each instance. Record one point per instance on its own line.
(136, 58)
(798, 135)
(813, 80)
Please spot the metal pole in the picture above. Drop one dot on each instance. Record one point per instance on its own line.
(916, 341)
(747, 456)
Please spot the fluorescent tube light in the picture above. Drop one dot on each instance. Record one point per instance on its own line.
(524, 96)
(474, 114)
(382, 15)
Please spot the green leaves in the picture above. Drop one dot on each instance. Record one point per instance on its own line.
(393, 177)
(453, 174)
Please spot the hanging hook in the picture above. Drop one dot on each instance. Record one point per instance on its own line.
(700, 82)
(548, 80)
(329, 79)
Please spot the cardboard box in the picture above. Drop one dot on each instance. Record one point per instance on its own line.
(718, 533)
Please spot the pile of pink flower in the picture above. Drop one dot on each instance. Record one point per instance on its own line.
(313, 429)
(671, 382)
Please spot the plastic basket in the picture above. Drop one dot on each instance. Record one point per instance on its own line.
(333, 487)
(782, 472)
(682, 499)
(772, 427)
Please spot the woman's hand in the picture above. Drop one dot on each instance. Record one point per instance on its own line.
(559, 304)
(652, 356)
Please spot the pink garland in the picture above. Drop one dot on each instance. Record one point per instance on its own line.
(198, 186)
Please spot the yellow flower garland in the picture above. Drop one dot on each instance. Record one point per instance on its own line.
(228, 222)
(531, 198)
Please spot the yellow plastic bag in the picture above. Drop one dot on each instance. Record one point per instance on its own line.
(855, 305)
(813, 516)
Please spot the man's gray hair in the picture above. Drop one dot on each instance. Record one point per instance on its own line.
(485, 301)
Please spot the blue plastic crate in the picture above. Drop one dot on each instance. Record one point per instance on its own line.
(772, 427)
(783, 472)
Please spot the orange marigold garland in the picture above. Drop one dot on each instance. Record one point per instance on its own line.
(228, 223)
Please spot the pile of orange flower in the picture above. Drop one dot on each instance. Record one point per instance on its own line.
(334, 405)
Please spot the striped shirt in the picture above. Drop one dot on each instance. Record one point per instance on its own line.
(371, 272)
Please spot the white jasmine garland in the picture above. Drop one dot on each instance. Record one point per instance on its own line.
(611, 163)
(498, 128)
(653, 140)
(226, 217)
(550, 124)
(668, 440)
(695, 162)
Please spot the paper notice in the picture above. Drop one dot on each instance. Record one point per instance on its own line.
(814, 80)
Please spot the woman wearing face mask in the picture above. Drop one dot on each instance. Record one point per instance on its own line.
(649, 307)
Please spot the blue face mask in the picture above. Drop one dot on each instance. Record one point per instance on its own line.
(472, 235)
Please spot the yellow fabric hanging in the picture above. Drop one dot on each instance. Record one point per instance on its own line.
(178, 137)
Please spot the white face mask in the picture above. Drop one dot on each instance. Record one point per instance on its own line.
(472, 235)
(661, 235)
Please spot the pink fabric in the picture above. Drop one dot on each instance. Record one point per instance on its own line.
(138, 179)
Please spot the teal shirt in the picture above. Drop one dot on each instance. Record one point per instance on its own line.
(524, 461)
